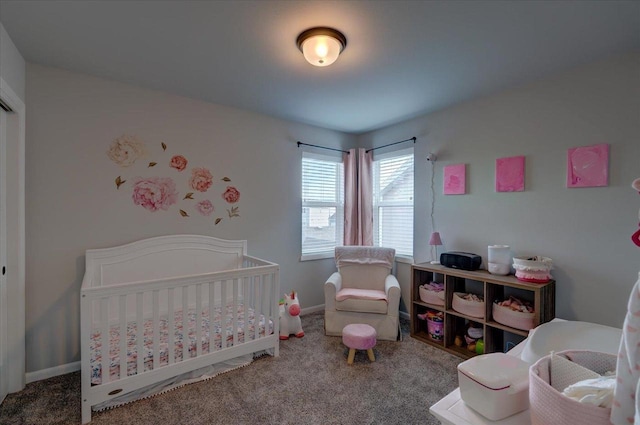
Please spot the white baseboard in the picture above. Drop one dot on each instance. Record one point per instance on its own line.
(313, 309)
(39, 375)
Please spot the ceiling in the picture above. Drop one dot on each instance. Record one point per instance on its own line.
(403, 58)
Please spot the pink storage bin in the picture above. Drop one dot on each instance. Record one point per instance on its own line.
(470, 308)
(549, 406)
(515, 319)
(431, 297)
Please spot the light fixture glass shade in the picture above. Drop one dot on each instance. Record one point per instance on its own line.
(321, 50)
(321, 46)
(435, 239)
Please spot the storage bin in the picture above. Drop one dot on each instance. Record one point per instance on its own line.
(435, 325)
(468, 307)
(495, 385)
(549, 406)
(533, 269)
(431, 297)
(515, 319)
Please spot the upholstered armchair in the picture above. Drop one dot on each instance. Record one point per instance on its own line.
(363, 290)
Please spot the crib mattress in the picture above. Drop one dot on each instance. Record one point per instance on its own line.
(221, 325)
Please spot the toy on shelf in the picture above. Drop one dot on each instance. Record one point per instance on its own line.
(290, 323)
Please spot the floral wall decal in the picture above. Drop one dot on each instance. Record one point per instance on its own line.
(201, 179)
(178, 162)
(154, 193)
(231, 195)
(157, 193)
(126, 150)
(205, 207)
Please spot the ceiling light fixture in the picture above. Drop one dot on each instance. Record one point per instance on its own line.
(321, 45)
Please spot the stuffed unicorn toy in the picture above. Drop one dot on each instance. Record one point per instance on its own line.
(290, 317)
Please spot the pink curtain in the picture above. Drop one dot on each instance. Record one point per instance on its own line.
(358, 197)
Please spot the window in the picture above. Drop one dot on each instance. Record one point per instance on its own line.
(322, 205)
(393, 201)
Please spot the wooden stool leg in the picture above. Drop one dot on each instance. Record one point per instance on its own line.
(352, 354)
(372, 356)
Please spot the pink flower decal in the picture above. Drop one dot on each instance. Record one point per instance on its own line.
(178, 162)
(201, 179)
(231, 195)
(154, 193)
(205, 207)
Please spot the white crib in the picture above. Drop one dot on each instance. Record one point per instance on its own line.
(134, 298)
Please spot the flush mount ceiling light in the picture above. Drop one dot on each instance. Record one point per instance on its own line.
(321, 45)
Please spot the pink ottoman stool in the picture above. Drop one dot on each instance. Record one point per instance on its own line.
(359, 336)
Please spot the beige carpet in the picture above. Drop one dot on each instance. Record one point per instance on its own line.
(309, 383)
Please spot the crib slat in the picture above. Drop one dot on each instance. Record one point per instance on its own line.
(122, 312)
(212, 310)
(235, 311)
(199, 320)
(156, 329)
(224, 314)
(140, 332)
(105, 340)
(171, 327)
(257, 282)
(185, 323)
(245, 307)
(268, 312)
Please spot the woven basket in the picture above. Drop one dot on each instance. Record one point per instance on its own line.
(431, 297)
(515, 319)
(549, 406)
(470, 308)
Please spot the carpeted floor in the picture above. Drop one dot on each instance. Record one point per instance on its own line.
(309, 383)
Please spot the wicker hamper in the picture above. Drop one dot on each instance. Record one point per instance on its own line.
(549, 406)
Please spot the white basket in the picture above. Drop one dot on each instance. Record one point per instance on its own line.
(431, 297)
(549, 406)
(470, 308)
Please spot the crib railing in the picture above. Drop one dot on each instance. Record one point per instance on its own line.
(255, 286)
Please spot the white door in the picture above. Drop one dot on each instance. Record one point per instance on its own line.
(3, 257)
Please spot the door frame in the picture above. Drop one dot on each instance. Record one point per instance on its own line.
(15, 252)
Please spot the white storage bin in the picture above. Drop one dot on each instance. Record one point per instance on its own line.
(495, 385)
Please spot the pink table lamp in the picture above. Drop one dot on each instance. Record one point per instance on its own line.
(435, 240)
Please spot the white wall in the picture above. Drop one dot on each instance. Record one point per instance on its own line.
(585, 231)
(73, 203)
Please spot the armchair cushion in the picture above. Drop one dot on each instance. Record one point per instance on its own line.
(360, 294)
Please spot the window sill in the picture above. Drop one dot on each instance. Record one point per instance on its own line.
(318, 256)
(404, 259)
(326, 255)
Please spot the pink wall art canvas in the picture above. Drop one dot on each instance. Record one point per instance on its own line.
(454, 182)
(588, 166)
(510, 174)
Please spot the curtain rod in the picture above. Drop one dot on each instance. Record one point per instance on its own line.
(391, 144)
(322, 147)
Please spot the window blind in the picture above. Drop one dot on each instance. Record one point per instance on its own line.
(393, 201)
(322, 203)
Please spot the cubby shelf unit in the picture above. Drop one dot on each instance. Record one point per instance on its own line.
(496, 336)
